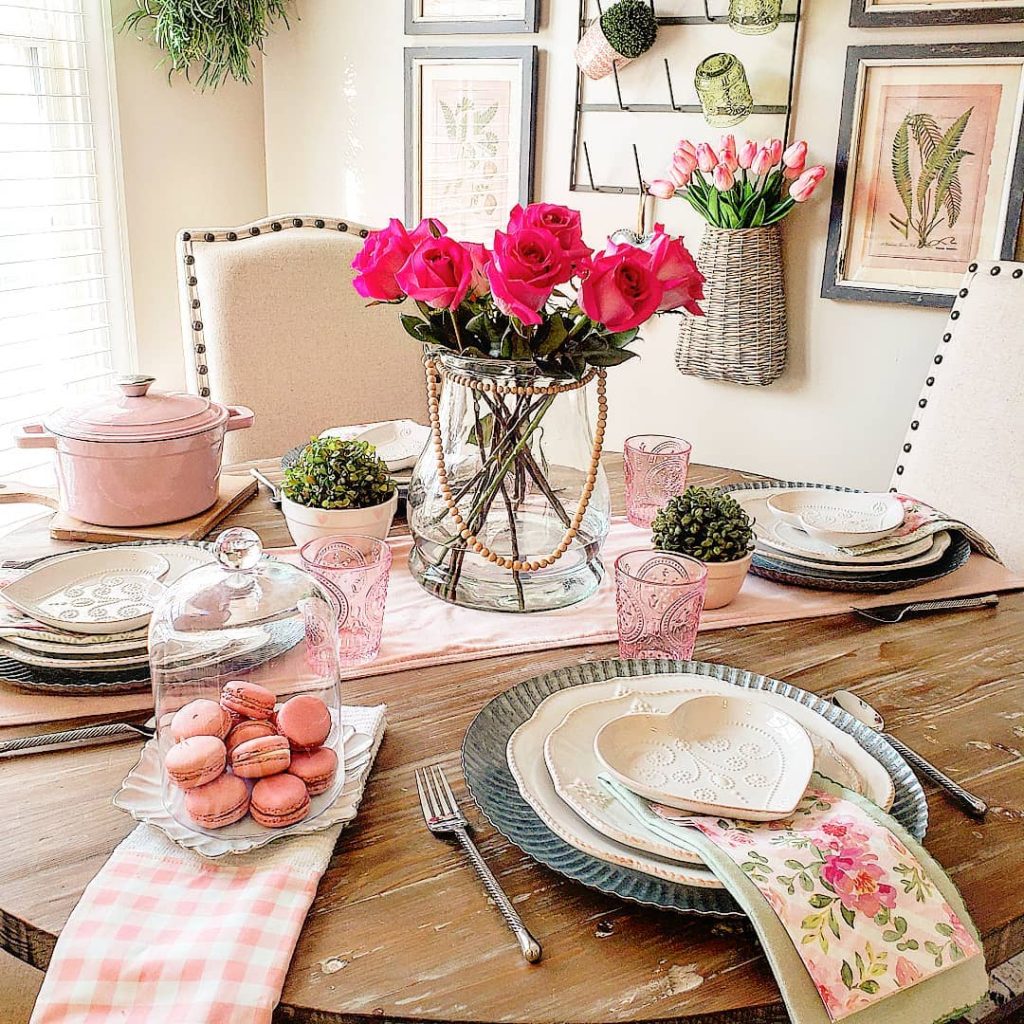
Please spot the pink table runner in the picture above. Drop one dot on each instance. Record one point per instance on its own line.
(421, 631)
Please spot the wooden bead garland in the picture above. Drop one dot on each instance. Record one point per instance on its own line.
(434, 378)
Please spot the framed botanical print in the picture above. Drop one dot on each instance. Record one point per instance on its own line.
(476, 17)
(929, 169)
(469, 134)
(912, 13)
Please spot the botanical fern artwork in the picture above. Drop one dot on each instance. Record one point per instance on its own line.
(468, 128)
(926, 171)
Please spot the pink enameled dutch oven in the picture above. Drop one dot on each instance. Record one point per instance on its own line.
(135, 457)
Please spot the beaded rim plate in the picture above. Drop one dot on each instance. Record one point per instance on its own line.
(495, 792)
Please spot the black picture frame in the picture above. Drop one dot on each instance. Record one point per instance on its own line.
(862, 17)
(482, 27)
(856, 56)
(527, 55)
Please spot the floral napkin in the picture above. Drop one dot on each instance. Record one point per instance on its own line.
(921, 520)
(857, 920)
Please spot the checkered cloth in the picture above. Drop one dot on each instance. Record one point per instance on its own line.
(164, 936)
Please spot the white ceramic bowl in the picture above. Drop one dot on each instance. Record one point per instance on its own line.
(840, 518)
(306, 524)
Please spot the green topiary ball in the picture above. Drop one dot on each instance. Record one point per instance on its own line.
(332, 473)
(630, 27)
(704, 523)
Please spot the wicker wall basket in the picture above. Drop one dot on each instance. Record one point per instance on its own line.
(742, 335)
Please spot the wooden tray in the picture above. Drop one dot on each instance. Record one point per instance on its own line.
(234, 492)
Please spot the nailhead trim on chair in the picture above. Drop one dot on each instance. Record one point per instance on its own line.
(186, 242)
(930, 380)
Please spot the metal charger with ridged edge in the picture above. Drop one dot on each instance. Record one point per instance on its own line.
(493, 788)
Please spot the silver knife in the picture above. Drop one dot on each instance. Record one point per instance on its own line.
(85, 736)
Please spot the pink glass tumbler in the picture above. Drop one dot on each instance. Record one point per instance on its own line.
(656, 468)
(659, 596)
(355, 570)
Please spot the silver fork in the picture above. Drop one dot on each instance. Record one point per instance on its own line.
(442, 815)
(892, 614)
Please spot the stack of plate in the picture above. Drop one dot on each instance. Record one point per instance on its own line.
(530, 764)
(786, 553)
(78, 622)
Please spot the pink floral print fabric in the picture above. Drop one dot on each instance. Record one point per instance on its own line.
(859, 907)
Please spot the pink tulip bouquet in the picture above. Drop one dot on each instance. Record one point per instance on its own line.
(748, 186)
(510, 302)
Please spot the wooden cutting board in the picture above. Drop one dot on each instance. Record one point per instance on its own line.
(234, 492)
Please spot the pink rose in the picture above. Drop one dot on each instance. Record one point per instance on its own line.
(481, 257)
(381, 257)
(622, 289)
(439, 272)
(677, 271)
(907, 973)
(562, 222)
(525, 268)
(856, 879)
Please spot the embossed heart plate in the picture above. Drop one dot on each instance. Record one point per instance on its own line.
(731, 756)
(840, 518)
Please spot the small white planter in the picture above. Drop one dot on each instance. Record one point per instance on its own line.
(306, 524)
(725, 580)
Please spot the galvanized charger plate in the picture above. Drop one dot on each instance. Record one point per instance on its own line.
(764, 565)
(490, 782)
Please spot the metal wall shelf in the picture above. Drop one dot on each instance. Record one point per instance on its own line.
(663, 107)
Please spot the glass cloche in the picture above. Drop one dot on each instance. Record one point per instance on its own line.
(244, 661)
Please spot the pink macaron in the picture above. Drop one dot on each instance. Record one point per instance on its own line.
(265, 755)
(316, 768)
(305, 720)
(195, 761)
(250, 700)
(279, 800)
(200, 718)
(248, 729)
(221, 802)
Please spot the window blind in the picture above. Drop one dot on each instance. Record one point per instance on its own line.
(62, 318)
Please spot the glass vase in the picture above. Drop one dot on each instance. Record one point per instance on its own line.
(508, 505)
(724, 92)
(754, 17)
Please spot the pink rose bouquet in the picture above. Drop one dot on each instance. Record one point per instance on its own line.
(513, 300)
(740, 186)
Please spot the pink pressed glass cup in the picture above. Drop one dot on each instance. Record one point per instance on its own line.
(659, 596)
(355, 570)
(656, 466)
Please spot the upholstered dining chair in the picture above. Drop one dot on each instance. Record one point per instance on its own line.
(964, 449)
(270, 320)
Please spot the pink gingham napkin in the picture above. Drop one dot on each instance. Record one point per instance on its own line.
(164, 936)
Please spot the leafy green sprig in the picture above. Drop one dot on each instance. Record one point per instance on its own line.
(332, 473)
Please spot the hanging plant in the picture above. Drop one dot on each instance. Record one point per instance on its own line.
(207, 40)
(625, 31)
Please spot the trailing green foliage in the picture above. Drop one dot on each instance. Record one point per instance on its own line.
(207, 40)
(705, 523)
(563, 345)
(630, 27)
(332, 473)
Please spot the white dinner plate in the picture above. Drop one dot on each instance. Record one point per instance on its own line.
(773, 532)
(398, 442)
(45, 646)
(76, 662)
(940, 543)
(562, 730)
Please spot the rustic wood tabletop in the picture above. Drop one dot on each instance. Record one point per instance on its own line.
(401, 929)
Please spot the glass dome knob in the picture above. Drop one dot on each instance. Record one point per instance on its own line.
(239, 549)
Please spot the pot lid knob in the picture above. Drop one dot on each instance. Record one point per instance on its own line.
(239, 549)
(134, 385)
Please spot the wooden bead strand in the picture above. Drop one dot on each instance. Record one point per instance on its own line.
(434, 378)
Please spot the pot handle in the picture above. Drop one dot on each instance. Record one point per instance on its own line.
(34, 435)
(239, 417)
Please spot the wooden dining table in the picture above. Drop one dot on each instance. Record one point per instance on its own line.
(401, 929)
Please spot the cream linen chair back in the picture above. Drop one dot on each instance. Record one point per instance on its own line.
(964, 450)
(270, 320)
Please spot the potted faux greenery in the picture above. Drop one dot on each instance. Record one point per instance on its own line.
(707, 524)
(622, 33)
(338, 488)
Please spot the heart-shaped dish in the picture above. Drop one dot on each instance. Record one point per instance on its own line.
(732, 756)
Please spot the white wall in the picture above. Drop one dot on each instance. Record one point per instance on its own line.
(189, 159)
(334, 128)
